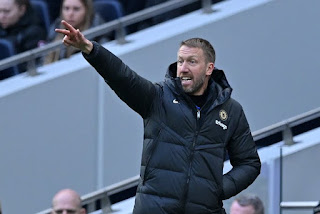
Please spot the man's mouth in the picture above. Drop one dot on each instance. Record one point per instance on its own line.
(185, 80)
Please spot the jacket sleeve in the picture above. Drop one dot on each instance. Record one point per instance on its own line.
(244, 159)
(136, 91)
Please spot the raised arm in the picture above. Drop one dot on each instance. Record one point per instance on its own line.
(137, 92)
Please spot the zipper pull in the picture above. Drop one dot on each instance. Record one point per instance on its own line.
(198, 112)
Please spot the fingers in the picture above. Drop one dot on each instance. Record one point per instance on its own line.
(63, 31)
(69, 31)
(68, 26)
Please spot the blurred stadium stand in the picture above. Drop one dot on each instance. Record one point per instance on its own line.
(67, 110)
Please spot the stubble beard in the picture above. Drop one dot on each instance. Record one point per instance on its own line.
(198, 83)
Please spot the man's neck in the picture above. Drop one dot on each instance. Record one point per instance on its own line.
(199, 100)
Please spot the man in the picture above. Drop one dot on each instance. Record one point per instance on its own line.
(247, 204)
(190, 121)
(20, 24)
(67, 201)
(316, 210)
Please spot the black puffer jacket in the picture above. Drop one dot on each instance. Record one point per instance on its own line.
(184, 148)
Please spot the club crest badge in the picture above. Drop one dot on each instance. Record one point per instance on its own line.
(223, 115)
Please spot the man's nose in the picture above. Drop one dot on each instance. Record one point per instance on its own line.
(184, 66)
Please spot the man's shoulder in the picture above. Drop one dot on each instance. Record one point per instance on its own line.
(233, 103)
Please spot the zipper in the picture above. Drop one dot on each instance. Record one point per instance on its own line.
(198, 115)
(194, 142)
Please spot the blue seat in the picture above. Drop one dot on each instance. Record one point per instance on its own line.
(42, 10)
(108, 9)
(7, 50)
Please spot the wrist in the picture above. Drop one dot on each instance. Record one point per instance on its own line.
(88, 47)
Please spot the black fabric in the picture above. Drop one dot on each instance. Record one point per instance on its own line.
(184, 151)
(199, 100)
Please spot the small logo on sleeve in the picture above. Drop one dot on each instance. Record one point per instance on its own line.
(175, 101)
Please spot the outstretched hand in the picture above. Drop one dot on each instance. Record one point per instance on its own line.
(75, 38)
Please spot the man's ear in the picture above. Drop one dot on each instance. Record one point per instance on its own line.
(210, 68)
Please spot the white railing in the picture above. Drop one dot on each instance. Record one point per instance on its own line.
(117, 25)
(103, 195)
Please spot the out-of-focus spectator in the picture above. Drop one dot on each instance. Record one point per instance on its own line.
(54, 8)
(79, 13)
(316, 210)
(67, 201)
(247, 204)
(20, 24)
(170, 14)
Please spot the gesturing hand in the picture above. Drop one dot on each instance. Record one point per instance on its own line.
(75, 38)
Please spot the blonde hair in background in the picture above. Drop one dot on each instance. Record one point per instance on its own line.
(54, 56)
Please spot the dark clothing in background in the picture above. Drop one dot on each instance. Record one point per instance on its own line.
(184, 148)
(26, 33)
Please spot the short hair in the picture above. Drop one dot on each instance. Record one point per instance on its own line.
(207, 48)
(253, 200)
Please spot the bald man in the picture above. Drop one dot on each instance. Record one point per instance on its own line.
(67, 201)
(247, 204)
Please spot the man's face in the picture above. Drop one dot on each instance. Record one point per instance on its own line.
(193, 70)
(10, 13)
(73, 11)
(65, 204)
(238, 209)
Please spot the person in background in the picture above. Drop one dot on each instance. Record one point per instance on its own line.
(247, 204)
(316, 210)
(20, 25)
(81, 14)
(67, 201)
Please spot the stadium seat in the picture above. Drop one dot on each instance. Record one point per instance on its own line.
(7, 50)
(108, 9)
(42, 10)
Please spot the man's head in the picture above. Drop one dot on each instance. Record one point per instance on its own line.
(196, 58)
(247, 204)
(316, 210)
(11, 11)
(67, 201)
